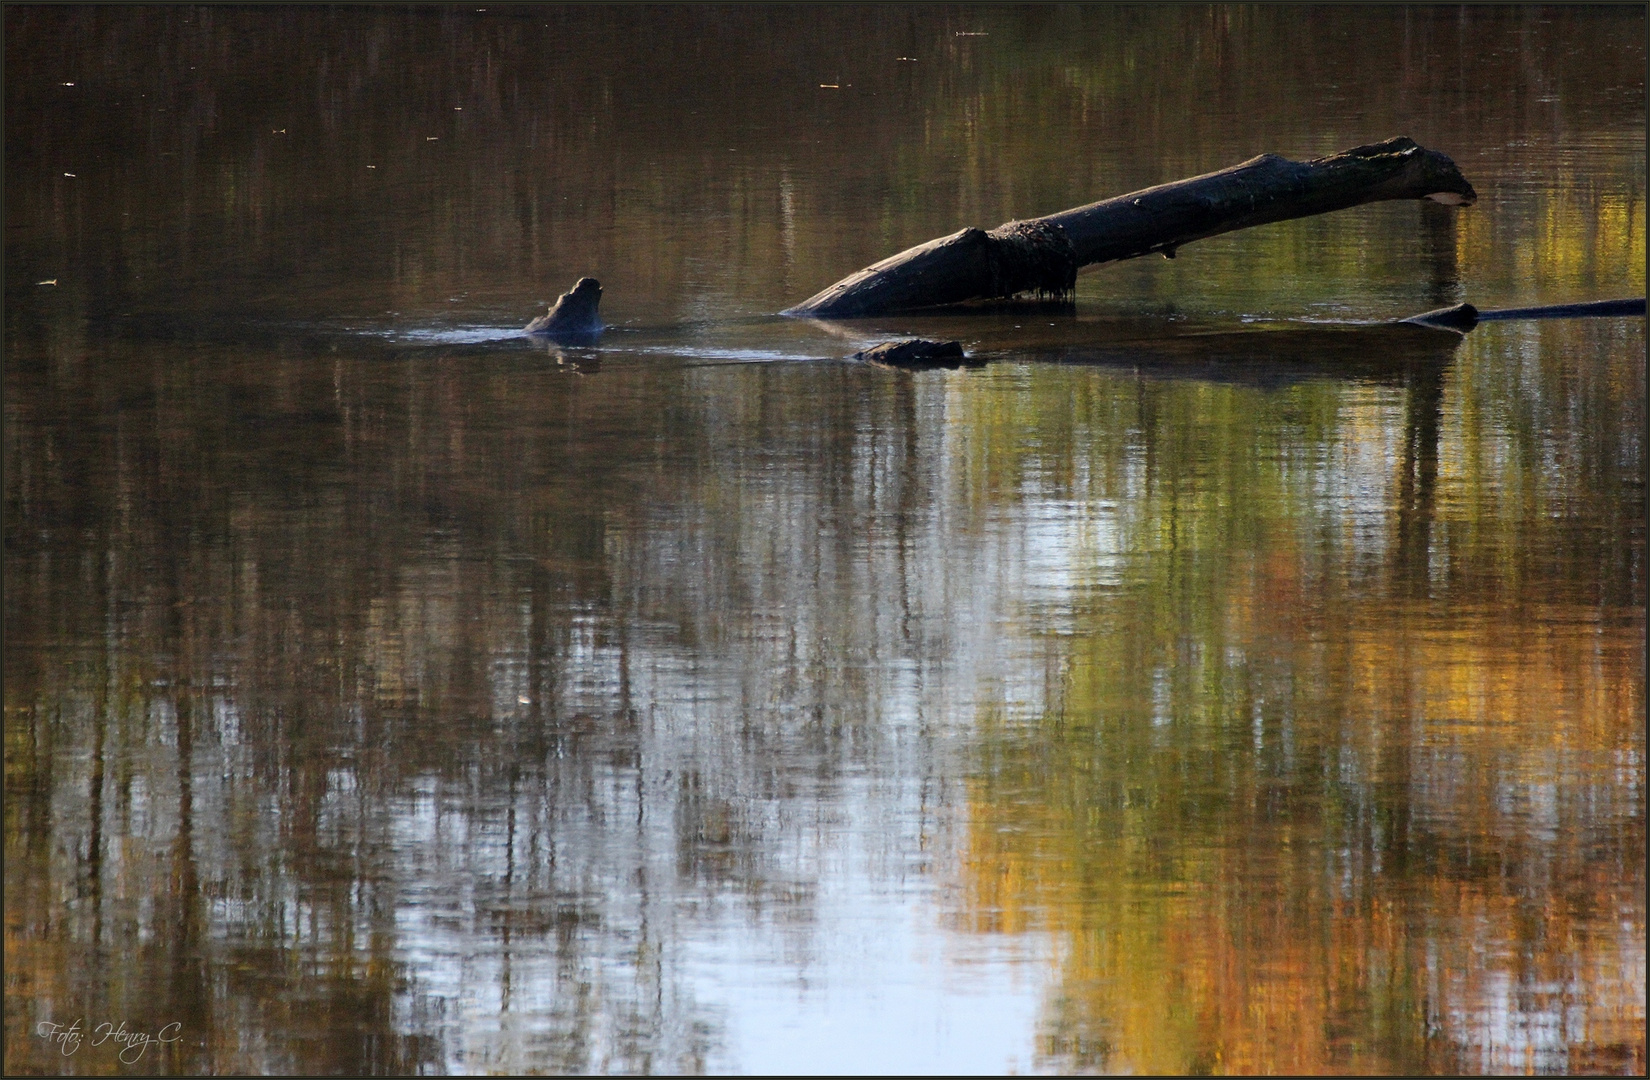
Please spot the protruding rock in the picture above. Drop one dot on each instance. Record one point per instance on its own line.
(915, 353)
(574, 312)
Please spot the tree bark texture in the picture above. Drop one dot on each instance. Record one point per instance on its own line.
(1043, 254)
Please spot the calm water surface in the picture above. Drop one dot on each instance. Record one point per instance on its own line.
(1201, 685)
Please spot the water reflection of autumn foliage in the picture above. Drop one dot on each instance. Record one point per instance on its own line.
(1432, 862)
(1324, 802)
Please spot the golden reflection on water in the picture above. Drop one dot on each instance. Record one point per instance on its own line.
(1421, 873)
(1305, 804)
(385, 695)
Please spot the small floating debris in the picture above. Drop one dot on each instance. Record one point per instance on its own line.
(69, 174)
(916, 353)
(52, 281)
(830, 86)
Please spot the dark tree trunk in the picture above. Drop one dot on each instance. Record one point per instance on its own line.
(1043, 254)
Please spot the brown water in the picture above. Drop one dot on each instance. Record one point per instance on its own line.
(1201, 685)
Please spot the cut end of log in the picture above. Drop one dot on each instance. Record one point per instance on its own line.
(1422, 173)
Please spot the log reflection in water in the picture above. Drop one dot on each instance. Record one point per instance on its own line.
(1267, 357)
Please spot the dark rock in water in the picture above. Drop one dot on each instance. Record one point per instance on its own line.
(915, 353)
(574, 312)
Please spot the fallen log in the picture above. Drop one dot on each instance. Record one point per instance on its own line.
(1043, 254)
